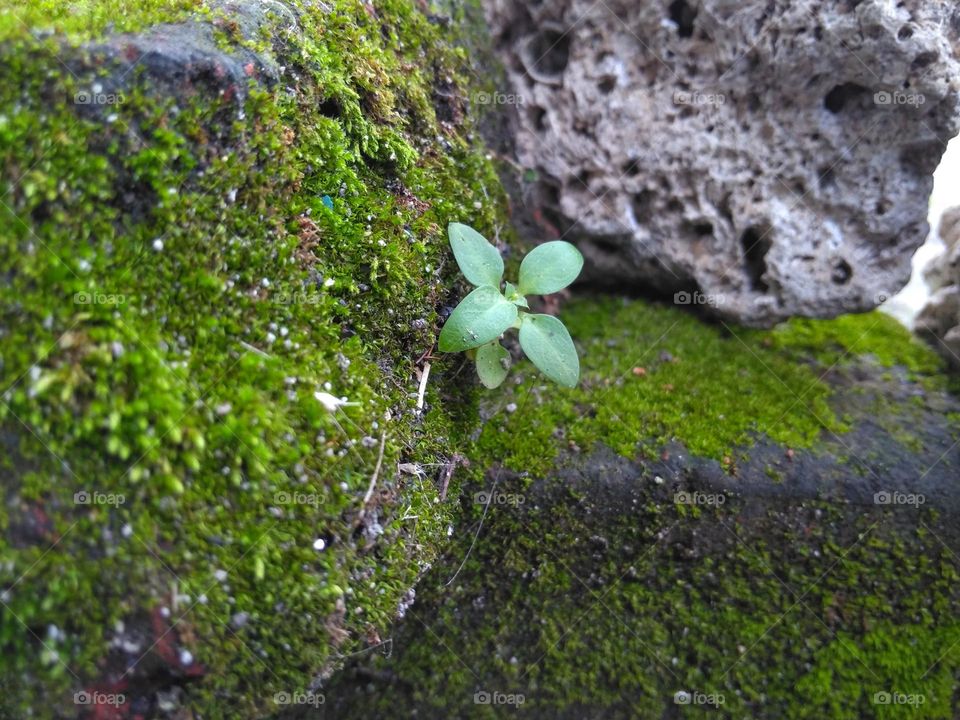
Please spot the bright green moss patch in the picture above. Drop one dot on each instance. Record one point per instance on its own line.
(876, 334)
(653, 374)
(89, 19)
(179, 276)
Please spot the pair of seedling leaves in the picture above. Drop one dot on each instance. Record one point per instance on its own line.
(487, 312)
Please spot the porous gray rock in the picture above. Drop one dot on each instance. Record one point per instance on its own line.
(765, 159)
(939, 321)
(944, 269)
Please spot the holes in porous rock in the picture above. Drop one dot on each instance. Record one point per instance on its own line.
(582, 180)
(755, 245)
(538, 118)
(607, 246)
(724, 208)
(843, 95)
(548, 53)
(841, 272)
(674, 206)
(826, 178)
(642, 203)
(881, 208)
(703, 228)
(923, 59)
(905, 33)
(631, 168)
(607, 85)
(684, 16)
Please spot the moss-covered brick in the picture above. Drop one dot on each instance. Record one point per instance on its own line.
(695, 531)
(204, 223)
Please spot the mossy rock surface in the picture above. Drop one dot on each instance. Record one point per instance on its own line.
(211, 212)
(800, 563)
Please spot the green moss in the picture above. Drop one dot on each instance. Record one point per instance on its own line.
(600, 594)
(597, 610)
(875, 333)
(177, 279)
(652, 375)
(89, 20)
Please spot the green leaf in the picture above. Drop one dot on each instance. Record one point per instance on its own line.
(548, 345)
(549, 268)
(479, 261)
(482, 316)
(493, 362)
(513, 295)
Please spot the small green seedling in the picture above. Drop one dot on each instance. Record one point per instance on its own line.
(486, 313)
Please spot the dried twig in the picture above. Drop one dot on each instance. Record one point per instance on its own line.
(423, 385)
(373, 479)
